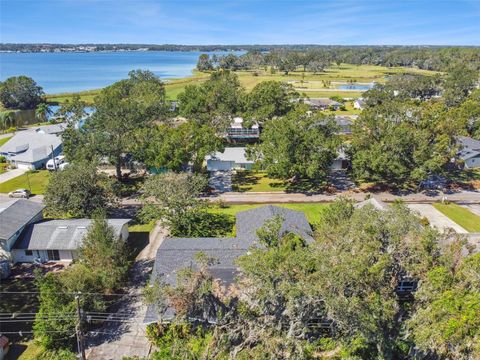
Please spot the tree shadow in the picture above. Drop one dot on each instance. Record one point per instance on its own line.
(244, 181)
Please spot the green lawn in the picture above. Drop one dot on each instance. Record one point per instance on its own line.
(245, 181)
(141, 227)
(462, 216)
(35, 181)
(313, 211)
(4, 140)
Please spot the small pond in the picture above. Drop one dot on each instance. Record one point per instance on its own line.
(363, 87)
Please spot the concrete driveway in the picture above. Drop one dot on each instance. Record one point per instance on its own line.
(118, 339)
(474, 208)
(436, 218)
(10, 174)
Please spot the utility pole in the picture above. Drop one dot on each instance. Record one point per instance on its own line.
(80, 342)
(53, 159)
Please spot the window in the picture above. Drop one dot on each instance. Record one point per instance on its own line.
(53, 255)
(28, 252)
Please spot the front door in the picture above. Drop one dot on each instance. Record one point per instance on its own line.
(53, 255)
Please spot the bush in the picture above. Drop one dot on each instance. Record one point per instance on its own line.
(3, 159)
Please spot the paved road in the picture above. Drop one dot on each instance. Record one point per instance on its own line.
(10, 174)
(118, 339)
(475, 208)
(467, 197)
(436, 218)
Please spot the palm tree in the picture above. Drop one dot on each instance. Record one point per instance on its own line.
(43, 111)
(7, 120)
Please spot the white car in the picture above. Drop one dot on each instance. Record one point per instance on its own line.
(54, 163)
(20, 193)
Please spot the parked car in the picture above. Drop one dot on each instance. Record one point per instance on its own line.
(20, 193)
(54, 163)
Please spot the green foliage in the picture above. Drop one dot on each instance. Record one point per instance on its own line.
(123, 110)
(173, 198)
(54, 326)
(105, 253)
(297, 146)
(203, 224)
(20, 92)
(400, 142)
(446, 321)
(269, 99)
(213, 102)
(174, 147)
(179, 341)
(42, 112)
(78, 191)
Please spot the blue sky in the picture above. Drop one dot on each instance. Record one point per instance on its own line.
(344, 22)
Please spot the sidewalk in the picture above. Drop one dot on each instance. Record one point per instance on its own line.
(10, 174)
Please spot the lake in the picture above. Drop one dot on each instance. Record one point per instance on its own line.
(70, 72)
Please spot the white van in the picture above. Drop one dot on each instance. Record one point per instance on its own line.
(53, 164)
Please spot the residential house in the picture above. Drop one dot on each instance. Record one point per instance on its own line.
(322, 104)
(375, 203)
(15, 215)
(31, 149)
(237, 133)
(230, 159)
(469, 152)
(342, 160)
(359, 104)
(175, 254)
(52, 129)
(58, 240)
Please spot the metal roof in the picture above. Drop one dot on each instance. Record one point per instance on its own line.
(236, 154)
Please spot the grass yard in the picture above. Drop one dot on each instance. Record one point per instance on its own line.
(4, 140)
(35, 180)
(313, 211)
(462, 216)
(245, 181)
(135, 228)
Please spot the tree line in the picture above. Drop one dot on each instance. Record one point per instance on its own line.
(316, 59)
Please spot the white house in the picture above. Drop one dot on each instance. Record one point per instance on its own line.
(359, 104)
(469, 152)
(58, 240)
(237, 132)
(232, 158)
(31, 149)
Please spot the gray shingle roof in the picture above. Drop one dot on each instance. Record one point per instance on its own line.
(469, 148)
(15, 214)
(377, 204)
(249, 221)
(175, 254)
(60, 234)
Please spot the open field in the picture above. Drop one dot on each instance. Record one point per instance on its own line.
(463, 217)
(35, 181)
(314, 85)
(313, 211)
